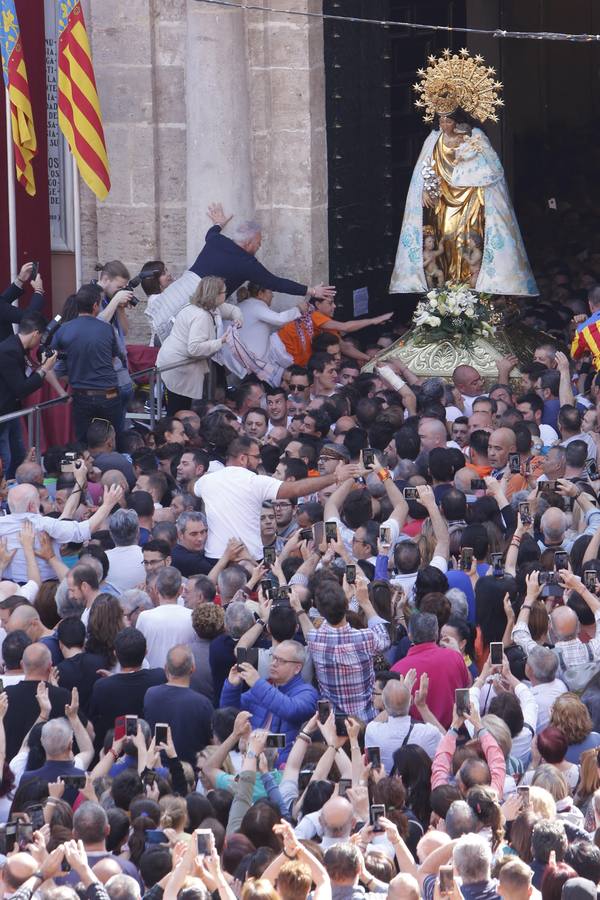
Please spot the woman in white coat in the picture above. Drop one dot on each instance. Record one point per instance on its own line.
(256, 347)
(195, 338)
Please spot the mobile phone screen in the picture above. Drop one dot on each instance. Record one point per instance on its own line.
(463, 702)
(161, 733)
(496, 653)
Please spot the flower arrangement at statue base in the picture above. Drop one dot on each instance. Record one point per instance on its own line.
(453, 311)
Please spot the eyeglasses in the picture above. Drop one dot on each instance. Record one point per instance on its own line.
(298, 387)
(281, 505)
(280, 660)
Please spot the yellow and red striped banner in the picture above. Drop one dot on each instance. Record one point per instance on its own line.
(17, 84)
(79, 115)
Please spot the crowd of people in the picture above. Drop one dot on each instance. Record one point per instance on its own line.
(321, 631)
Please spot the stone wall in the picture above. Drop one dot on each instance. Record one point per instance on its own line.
(202, 104)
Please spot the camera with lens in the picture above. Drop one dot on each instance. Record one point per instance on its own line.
(45, 346)
(135, 282)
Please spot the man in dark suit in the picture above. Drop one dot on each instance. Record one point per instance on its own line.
(23, 707)
(15, 384)
(235, 260)
(123, 694)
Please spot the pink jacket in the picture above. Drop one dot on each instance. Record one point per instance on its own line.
(442, 761)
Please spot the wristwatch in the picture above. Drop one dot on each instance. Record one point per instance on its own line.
(258, 620)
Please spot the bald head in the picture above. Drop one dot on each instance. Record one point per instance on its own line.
(37, 661)
(396, 698)
(404, 887)
(468, 381)
(114, 476)
(553, 524)
(337, 817)
(431, 841)
(502, 442)
(180, 662)
(24, 498)
(17, 870)
(432, 433)
(107, 868)
(24, 618)
(565, 623)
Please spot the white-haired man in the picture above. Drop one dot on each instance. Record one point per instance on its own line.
(234, 259)
(24, 504)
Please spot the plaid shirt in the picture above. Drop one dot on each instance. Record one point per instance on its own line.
(574, 652)
(343, 660)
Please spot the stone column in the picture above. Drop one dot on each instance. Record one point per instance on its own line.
(219, 165)
(289, 143)
(139, 53)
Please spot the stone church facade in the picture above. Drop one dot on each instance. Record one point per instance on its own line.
(204, 103)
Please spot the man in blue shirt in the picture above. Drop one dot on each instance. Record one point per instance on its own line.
(188, 713)
(281, 704)
(90, 346)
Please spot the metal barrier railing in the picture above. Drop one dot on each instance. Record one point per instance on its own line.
(34, 413)
(156, 389)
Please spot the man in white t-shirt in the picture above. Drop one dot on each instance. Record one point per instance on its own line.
(233, 497)
(168, 624)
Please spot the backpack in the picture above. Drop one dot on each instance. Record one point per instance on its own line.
(578, 677)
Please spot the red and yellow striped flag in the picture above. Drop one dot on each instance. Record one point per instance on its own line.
(79, 114)
(15, 78)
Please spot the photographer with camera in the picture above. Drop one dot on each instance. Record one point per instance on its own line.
(118, 295)
(15, 383)
(90, 347)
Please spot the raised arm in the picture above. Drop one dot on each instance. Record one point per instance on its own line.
(438, 523)
(573, 583)
(84, 742)
(213, 764)
(565, 389)
(290, 489)
(335, 501)
(356, 324)
(118, 301)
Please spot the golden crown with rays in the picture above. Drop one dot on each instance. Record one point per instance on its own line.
(456, 80)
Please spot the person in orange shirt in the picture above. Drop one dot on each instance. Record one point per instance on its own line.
(478, 449)
(297, 336)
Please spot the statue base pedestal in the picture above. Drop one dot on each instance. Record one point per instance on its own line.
(427, 357)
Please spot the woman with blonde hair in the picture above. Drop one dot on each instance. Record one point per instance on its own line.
(174, 819)
(194, 339)
(572, 717)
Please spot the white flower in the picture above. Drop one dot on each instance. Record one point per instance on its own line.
(469, 313)
(432, 295)
(433, 321)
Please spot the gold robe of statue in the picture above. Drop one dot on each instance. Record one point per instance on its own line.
(459, 213)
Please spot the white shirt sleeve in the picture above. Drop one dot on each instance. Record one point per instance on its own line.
(528, 705)
(64, 531)
(439, 562)
(28, 590)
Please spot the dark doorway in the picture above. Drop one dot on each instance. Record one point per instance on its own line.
(374, 135)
